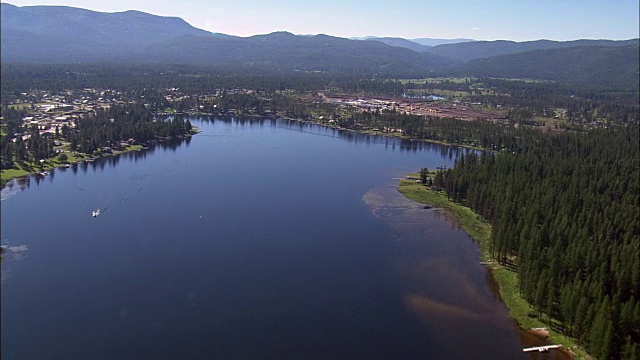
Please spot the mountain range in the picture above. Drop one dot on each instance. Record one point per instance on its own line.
(58, 34)
(485, 49)
(601, 66)
(424, 43)
(400, 42)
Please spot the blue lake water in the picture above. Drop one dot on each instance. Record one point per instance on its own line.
(252, 240)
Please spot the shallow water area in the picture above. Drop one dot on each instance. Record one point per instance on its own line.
(254, 239)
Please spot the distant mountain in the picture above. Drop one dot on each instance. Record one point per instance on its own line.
(602, 66)
(400, 42)
(53, 34)
(484, 49)
(56, 34)
(285, 51)
(76, 26)
(221, 35)
(435, 42)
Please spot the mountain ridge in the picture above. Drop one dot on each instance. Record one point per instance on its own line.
(42, 34)
(401, 42)
(604, 66)
(57, 35)
(485, 49)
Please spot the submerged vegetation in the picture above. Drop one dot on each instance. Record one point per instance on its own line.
(481, 231)
(564, 213)
(553, 200)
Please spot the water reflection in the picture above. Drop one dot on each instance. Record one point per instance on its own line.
(10, 255)
(199, 257)
(97, 164)
(356, 138)
(24, 182)
(9, 189)
(404, 145)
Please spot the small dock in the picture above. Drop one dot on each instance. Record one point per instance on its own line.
(541, 348)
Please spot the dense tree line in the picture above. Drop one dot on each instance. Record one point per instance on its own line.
(614, 68)
(565, 211)
(106, 128)
(564, 208)
(479, 133)
(12, 119)
(93, 132)
(582, 102)
(191, 80)
(32, 148)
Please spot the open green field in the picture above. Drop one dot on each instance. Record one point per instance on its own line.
(550, 122)
(461, 80)
(507, 279)
(530, 81)
(13, 173)
(435, 80)
(24, 106)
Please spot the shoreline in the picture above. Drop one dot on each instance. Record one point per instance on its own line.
(506, 279)
(53, 163)
(377, 133)
(396, 135)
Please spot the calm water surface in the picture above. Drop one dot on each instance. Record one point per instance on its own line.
(252, 240)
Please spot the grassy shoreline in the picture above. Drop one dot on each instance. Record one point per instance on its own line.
(507, 279)
(31, 168)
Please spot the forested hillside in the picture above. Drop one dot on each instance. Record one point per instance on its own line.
(565, 213)
(66, 35)
(603, 66)
(400, 42)
(485, 49)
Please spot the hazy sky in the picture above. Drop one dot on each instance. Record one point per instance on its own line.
(489, 19)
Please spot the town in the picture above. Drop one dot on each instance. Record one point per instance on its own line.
(55, 113)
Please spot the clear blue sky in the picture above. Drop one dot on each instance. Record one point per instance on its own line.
(488, 20)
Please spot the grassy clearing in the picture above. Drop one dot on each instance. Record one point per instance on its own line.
(128, 148)
(529, 81)
(434, 80)
(22, 106)
(20, 171)
(460, 80)
(525, 314)
(550, 122)
(32, 168)
(13, 173)
(507, 279)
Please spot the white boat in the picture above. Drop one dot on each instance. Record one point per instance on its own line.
(95, 213)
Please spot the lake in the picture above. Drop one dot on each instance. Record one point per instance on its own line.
(256, 239)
